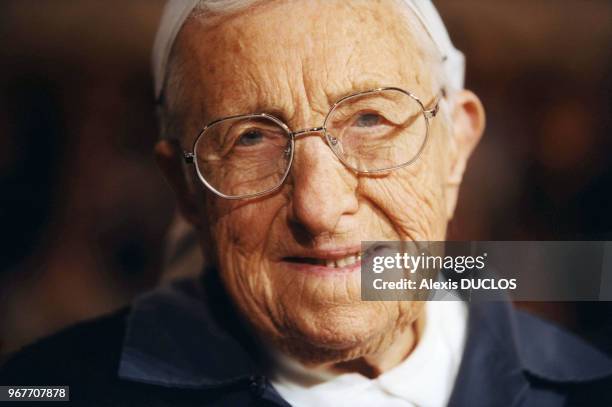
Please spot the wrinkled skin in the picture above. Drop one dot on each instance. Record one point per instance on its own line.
(294, 59)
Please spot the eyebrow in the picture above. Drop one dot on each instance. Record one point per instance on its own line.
(275, 111)
(250, 106)
(362, 85)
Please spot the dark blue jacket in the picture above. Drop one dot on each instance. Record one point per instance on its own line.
(171, 348)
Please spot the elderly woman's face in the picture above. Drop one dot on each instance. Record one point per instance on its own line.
(288, 259)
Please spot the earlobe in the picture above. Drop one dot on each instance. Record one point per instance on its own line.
(169, 156)
(468, 122)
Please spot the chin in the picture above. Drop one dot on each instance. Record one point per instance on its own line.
(338, 334)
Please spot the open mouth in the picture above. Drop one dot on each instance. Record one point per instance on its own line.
(345, 261)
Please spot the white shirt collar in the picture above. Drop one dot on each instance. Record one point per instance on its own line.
(425, 378)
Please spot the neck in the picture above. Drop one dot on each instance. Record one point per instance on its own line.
(374, 365)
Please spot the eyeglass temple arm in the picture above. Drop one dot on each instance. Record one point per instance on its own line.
(189, 157)
(431, 113)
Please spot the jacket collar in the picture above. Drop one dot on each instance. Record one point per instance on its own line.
(506, 349)
(175, 339)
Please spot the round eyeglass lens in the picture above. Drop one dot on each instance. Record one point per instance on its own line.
(378, 130)
(244, 156)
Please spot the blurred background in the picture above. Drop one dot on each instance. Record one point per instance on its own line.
(85, 213)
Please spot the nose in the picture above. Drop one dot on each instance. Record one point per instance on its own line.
(323, 189)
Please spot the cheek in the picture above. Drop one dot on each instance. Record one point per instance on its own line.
(244, 226)
(241, 232)
(412, 198)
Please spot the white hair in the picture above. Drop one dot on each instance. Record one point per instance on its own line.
(446, 62)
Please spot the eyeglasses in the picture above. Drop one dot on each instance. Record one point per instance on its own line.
(375, 131)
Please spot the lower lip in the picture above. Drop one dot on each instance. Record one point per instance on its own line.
(322, 270)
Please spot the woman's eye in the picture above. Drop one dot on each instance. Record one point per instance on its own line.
(367, 120)
(250, 138)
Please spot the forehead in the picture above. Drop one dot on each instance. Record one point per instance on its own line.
(290, 56)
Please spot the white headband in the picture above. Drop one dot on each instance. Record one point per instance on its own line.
(176, 12)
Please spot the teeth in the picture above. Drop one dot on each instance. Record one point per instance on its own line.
(343, 262)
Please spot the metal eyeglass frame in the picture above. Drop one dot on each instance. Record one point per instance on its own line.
(331, 140)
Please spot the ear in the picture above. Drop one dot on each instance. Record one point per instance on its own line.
(169, 156)
(468, 122)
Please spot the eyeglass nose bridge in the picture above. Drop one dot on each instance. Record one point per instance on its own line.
(333, 140)
(302, 132)
(321, 129)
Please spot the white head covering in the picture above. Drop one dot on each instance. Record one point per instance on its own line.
(176, 12)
